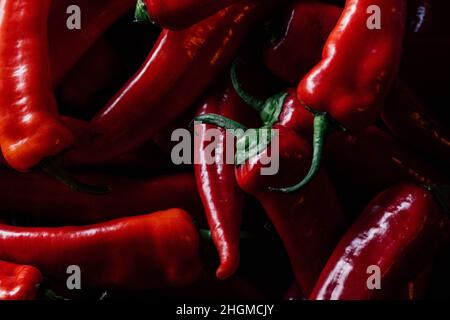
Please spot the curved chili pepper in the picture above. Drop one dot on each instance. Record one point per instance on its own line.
(30, 130)
(96, 17)
(407, 118)
(18, 282)
(358, 67)
(364, 164)
(39, 197)
(309, 222)
(181, 14)
(168, 82)
(222, 199)
(398, 224)
(150, 251)
(306, 28)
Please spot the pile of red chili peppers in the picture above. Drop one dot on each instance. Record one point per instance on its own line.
(92, 201)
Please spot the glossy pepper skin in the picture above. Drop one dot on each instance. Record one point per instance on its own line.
(171, 71)
(30, 129)
(150, 251)
(358, 64)
(36, 196)
(411, 122)
(222, 199)
(306, 28)
(18, 282)
(180, 14)
(400, 232)
(309, 221)
(96, 17)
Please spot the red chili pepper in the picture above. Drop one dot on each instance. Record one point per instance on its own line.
(18, 282)
(222, 199)
(399, 232)
(306, 28)
(408, 119)
(39, 197)
(150, 251)
(310, 221)
(30, 130)
(181, 14)
(171, 71)
(358, 67)
(68, 46)
(373, 160)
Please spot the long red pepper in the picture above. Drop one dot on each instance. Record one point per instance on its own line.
(305, 30)
(18, 282)
(399, 232)
(96, 17)
(169, 82)
(150, 251)
(180, 14)
(409, 120)
(30, 129)
(358, 67)
(310, 221)
(222, 199)
(38, 197)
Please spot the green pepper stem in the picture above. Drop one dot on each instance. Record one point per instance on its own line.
(321, 125)
(269, 109)
(219, 121)
(140, 13)
(252, 101)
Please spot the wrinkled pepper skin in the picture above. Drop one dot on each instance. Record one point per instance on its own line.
(18, 282)
(411, 122)
(222, 199)
(400, 232)
(39, 197)
(306, 28)
(150, 251)
(309, 221)
(136, 113)
(96, 17)
(358, 65)
(180, 14)
(30, 129)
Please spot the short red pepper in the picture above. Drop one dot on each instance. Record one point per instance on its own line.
(150, 251)
(360, 63)
(30, 130)
(18, 282)
(399, 232)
